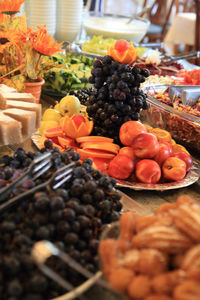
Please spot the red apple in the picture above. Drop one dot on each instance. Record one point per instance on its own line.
(164, 152)
(186, 158)
(148, 171)
(129, 130)
(78, 119)
(127, 151)
(174, 169)
(121, 167)
(145, 145)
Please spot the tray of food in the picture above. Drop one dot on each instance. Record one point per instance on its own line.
(155, 256)
(181, 120)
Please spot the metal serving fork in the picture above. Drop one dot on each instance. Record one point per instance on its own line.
(56, 180)
(42, 250)
(39, 166)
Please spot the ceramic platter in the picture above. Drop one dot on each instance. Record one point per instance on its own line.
(191, 177)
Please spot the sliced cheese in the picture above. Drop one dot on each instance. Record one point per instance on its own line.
(27, 119)
(10, 130)
(18, 96)
(7, 89)
(37, 108)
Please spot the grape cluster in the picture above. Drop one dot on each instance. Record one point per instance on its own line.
(12, 167)
(83, 94)
(117, 98)
(72, 217)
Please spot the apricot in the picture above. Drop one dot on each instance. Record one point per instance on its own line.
(139, 287)
(127, 226)
(108, 254)
(121, 278)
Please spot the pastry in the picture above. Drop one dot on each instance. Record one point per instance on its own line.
(168, 239)
(188, 290)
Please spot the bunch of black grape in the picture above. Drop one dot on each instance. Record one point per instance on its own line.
(83, 95)
(117, 98)
(72, 217)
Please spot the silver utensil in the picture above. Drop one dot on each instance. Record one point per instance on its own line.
(75, 49)
(38, 167)
(42, 250)
(172, 58)
(55, 181)
(144, 11)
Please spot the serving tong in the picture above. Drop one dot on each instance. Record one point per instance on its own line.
(173, 58)
(43, 250)
(38, 167)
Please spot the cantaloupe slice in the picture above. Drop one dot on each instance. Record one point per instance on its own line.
(94, 139)
(52, 132)
(65, 141)
(109, 147)
(89, 153)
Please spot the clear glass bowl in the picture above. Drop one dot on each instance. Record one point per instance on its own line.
(184, 127)
(111, 26)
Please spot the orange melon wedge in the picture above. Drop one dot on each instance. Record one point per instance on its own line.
(94, 139)
(52, 132)
(89, 153)
(65, 141)
(110, 147)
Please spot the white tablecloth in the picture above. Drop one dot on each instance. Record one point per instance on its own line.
(182, 31)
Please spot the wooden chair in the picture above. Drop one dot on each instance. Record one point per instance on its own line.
(160, 14)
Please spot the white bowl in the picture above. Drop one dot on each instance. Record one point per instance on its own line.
(116, 27)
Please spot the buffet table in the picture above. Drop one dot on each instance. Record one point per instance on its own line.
(147, 200)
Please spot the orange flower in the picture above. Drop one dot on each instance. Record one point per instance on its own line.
(10, 6)
(7, 39)
(44, 43)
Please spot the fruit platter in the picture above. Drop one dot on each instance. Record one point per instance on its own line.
(106, 128)
(57, 200)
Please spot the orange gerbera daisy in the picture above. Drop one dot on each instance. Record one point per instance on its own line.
(44, 43)
(10, 7)
(7, 39)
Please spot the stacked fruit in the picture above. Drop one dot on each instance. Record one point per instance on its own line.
(72, 217)
(150, 155)
(156, 257)
(118, 98)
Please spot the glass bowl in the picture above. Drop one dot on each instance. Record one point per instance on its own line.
(184, 127)
(110, 26)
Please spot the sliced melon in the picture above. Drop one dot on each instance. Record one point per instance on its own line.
(109, 147)
(65, 141)
(89, 153)
(94, 139)
(52, 132)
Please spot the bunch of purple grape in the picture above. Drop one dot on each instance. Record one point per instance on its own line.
(117, 98)
(72, 217)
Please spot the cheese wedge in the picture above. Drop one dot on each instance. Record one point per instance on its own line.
(10, 130)
(27, 119)
(18, 96)
(7, 89)
(37, 108)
